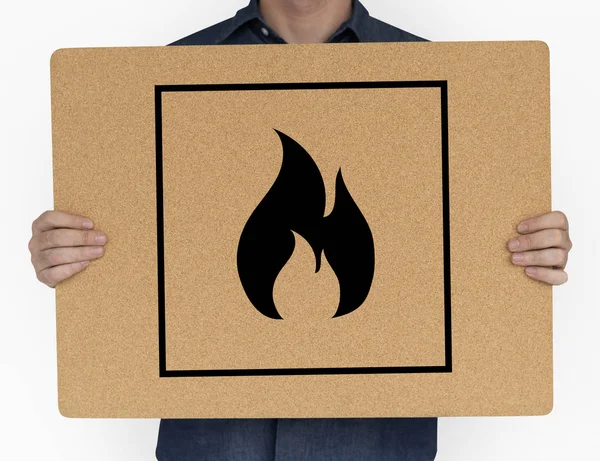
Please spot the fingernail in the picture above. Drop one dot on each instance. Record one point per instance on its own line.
(513, 244)
(531, 270)
(101, 238)
(87, 224)
(517, 257)
(522, 227)
(97, 250)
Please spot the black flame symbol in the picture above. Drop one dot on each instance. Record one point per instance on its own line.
(296, 202)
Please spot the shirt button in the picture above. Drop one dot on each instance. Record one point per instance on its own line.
(264, 31)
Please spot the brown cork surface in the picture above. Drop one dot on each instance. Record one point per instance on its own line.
(443, 149)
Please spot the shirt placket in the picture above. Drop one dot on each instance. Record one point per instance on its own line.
(290, 440)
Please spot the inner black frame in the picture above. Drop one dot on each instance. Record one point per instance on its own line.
(158, 92)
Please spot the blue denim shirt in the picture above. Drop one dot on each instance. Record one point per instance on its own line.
(323, 439)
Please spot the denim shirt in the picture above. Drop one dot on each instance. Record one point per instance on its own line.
(322, 439)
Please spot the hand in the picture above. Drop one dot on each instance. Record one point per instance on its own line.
(62, 245)
(548, 236)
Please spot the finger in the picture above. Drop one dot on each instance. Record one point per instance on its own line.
(547, 275)
(548, 257)
(54, 275)
(546, 238)
(54, 219)
(66, 255)
(552, 220)
(69, 238)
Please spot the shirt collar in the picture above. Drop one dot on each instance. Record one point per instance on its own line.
(358, 22)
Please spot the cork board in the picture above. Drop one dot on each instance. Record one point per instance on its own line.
(309, 230)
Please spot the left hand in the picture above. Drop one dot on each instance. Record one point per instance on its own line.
(543, 247)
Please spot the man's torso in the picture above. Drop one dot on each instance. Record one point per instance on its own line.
(365, 439)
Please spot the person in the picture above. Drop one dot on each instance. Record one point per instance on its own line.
(62, 245)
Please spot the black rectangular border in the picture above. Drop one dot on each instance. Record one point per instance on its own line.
(160, 89)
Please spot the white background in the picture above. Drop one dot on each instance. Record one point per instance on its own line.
(31, 427)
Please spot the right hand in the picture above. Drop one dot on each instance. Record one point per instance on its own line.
(61, 246)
